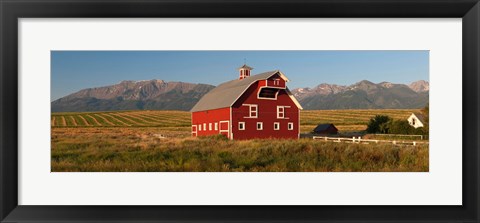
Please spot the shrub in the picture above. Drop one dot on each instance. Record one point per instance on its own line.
(378, 124)
(400, 127)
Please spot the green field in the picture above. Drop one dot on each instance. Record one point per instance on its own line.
(131, 141)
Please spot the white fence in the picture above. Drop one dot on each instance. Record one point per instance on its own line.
(367, 141)
(399, 135)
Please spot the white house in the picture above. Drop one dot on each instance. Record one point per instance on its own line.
(416, 120)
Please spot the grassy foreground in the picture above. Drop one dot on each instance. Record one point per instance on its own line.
(130, 141)
(91, 151)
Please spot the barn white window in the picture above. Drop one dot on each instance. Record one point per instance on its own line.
(210, 126)
(241, 126)
(259, 125)
(199, 127)
(281, 111)
(252, 110)
(205, 126)
(276, 126)
(216, 126)
(276, 81)
(290, 126)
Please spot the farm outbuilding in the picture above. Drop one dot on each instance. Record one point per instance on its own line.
(257, 106)
(326, 129)
(416, 120)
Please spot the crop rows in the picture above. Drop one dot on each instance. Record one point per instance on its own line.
(345, 120)
(121, 119)
(349, 117)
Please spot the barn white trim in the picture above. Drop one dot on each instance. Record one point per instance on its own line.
(281, 111)
(286, 89)
(241, 126)
(290, 126)
(264, 98)
(224, 130)
(276, 126)
(194, 130)
(259, 125)
(252, 109)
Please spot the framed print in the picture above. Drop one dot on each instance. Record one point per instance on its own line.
(239, 111)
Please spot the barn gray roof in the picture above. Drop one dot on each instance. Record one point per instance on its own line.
(420, 117)
(224, 95)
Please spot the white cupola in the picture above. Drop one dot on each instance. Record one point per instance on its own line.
(244, 71)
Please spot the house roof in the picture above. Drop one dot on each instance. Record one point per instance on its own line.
(419, 116)
(226, 94)
(323, 127)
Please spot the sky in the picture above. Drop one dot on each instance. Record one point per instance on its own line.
(72, 71)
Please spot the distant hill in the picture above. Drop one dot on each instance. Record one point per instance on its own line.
(134, 95)
(364, 95)
(161, 95)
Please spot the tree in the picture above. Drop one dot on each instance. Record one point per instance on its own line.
(378, 124)
(425, 112)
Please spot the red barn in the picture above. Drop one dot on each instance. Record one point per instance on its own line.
(258, 106)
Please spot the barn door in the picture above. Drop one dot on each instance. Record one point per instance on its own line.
(194, 130)
(224, 128)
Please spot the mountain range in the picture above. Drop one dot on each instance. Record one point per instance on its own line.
(364, 95)
(161, 95)
(134, 95)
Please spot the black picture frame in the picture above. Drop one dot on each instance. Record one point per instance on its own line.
(12, 10)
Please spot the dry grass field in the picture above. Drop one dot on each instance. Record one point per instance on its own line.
(132, 141)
